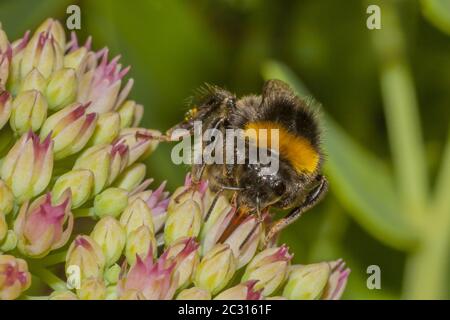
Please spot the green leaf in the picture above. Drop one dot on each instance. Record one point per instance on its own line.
(438, 13)
(361, 182)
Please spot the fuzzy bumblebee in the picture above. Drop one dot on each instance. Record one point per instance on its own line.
(297, 183)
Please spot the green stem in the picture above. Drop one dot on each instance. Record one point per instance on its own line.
(426, 267)
(49, 278)
(53, 259)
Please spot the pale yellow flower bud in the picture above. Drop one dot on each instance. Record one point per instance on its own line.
(135, 215)
(61, 89)
(110, 202)
(28, 166)
(92, 289)
(269, 268)
(131, 177)
(6, 198)
(106, 129)
(80, 182)
(34, 80)
(5, 107)
(29, 111)
(70, 128)
(216, 269)
(184, 221)
(139, 242)
(111, 237)
(87, 255)
(307, 282)
(243, 291)
(62, 295)
(194, 293)
(55, 28)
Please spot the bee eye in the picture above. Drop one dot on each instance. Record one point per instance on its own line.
(279, 188)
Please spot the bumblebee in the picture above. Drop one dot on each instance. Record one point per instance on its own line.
(297, 184)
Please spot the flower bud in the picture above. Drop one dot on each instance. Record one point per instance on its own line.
(307, 282)
(157, 202)
(126, 111)
(5, 59)
(135, 215)
(80, 182)
(42, 53)
(5, 107)
(4, 43)
(14, 78)
(111, 202)
(112, 274)
(194, 293)
(216, 269)
(43, 226)
(130, 114)
(185, 221)
(92, 289)
(6, 198)
(337, 281)
(87, 255)
(34, 80)
(28, 166)
(62, 295)
(105, 161)
(111, 237)
(243, 291)
(139, 242)
(245, 240)
(61, 89)
(70, 129)
(189, 192)
(269, 268)
(77, 60)
(131, 177)
(96, 159)
(107, 128)
(216, 224)
(3, 227)
(138, 115)
(29, 111)
(184, 252)
(149, 280)
(9, 242)
(102, 85)
(55, 29)
(14, 277)
(141, 142)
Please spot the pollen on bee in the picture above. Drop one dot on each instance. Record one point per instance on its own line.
(294, 148)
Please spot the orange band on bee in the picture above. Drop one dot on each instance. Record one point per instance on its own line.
(295, 149)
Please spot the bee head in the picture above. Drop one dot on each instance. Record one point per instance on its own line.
(259, 188)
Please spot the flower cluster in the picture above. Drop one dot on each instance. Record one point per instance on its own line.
(71, 154)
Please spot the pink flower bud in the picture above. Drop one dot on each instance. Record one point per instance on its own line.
(149, 280)
(101, 85)
(14, 277)
(43, 226)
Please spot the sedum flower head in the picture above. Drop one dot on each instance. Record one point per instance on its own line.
(74, 190)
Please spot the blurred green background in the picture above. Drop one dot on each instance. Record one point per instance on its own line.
(385, 98)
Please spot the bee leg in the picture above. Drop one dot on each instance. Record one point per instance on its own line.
(313, 197)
